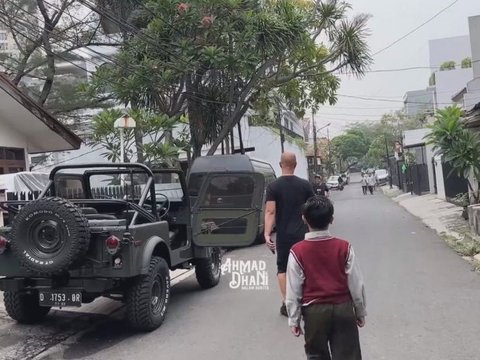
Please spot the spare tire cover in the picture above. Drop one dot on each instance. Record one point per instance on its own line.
(49, 235)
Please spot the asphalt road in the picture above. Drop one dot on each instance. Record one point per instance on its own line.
(423, 303)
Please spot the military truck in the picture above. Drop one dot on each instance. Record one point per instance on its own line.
(115, 230)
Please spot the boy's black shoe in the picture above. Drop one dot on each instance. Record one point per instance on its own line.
(283, 310)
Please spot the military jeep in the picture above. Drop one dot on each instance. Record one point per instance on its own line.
(115, 230)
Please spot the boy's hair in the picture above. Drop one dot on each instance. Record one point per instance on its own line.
(318, 212)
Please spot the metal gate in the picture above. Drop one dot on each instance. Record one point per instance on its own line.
(454, 184)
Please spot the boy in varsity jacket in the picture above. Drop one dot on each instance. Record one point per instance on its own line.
(325, 287)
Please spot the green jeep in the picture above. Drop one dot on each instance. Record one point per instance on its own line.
(115, 230)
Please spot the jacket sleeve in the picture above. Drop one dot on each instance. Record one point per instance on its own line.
(293, 300)
(355, 284)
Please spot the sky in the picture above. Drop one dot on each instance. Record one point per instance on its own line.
(392, 19)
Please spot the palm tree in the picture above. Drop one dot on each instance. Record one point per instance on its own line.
(457, 145)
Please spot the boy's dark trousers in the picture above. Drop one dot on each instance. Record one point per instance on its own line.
(331, 332)
(364, 188)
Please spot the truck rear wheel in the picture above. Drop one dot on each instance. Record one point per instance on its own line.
(209, 270)
(24, 307)
(148, 297)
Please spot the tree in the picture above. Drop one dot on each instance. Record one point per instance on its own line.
(457, 145)
(467, 63)
(47, 33)
(448, 65)
(214, 59)
(377, 135)
(349, 148)
(154, 150)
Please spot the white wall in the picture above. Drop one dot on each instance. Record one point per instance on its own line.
(417, 137)
(431, 178)
(448, 83)
(268, 149)
(449, 49)
(439, 173)
(474, 25)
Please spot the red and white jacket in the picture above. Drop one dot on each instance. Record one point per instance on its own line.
(322, 270)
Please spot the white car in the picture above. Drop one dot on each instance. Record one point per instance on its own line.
(381, 175)
(332, 182)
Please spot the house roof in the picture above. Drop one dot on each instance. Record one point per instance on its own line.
(24, 116)
(472, 117)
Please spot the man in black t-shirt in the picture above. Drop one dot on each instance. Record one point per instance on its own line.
(284, 202)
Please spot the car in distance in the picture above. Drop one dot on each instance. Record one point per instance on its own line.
(381, 176)
(333, 183)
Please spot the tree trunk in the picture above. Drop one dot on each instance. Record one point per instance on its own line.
(139, 145)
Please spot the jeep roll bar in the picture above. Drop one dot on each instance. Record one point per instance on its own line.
(116, 168)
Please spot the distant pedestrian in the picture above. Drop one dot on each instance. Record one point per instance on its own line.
(371, 182)
(364, 184)
(325, 287)
(320, 187)
(284, 201)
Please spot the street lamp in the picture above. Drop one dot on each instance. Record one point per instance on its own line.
(125, 122)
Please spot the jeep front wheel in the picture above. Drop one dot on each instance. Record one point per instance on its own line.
(24, 307)
(147, 298)
(209, 270)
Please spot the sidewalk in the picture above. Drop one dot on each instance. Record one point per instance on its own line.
(443, 217)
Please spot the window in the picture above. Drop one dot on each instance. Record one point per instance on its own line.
(3, 36)
(69, 187)
(231, 191)
(14, 154)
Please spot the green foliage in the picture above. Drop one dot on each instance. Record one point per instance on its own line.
(221, 57)
(350, 147)
(448, 65)
(456, 144)
(368, 140)
(467, 63)
(153, 129)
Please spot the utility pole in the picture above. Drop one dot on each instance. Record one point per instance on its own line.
(279, 119)
(315, 145)
(388, 162)
(329, 153)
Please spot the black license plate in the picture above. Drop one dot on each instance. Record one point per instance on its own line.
(60, 298)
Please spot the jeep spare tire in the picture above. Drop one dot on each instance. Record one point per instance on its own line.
(49, 235)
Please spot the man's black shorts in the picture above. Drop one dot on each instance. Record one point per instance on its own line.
(283, 250)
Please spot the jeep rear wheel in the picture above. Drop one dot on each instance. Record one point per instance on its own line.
(148, 297)
(49, 235)
(24, 307)
(209, 270)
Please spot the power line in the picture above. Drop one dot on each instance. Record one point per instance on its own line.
(121, 23)
(387, 100)
(415, 29)
(407, 69)
(69, 159)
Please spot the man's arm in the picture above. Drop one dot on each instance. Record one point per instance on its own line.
(295, 279)
(270, 210)
(355, 285)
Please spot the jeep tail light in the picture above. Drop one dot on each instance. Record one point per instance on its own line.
(112, 244)
(3, 244)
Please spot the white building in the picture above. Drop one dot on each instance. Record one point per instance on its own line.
(468, 93)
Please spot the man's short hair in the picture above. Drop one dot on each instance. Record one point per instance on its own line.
(318, 212)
